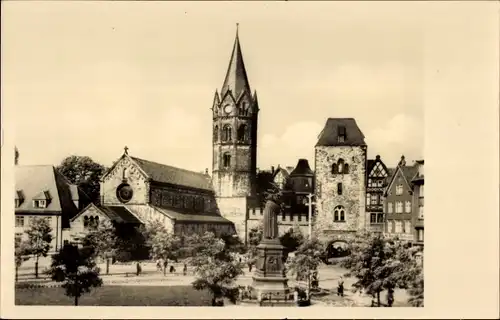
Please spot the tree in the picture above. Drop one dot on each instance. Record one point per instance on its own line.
(306, 260)
(84, 172)
(39, 239)
(416, 281)
(379, 264)
(215, 267)
(103, 240)
(150, 229)
(165, 245)
(77, 269)
(254, 238)
(21, 250)
(292, 239)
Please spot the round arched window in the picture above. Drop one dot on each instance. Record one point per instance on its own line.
(124, 193)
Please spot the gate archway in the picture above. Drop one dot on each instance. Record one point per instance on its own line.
(338, 248)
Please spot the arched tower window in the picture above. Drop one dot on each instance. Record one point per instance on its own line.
(339, 214)
(124, 174)
(227, 160)
(242, 133)
(340, 166)
(334, 168)
(226, 133)
(243, 110)
(346, 168)
(216, 133)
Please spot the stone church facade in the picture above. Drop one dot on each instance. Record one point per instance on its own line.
(134, 191)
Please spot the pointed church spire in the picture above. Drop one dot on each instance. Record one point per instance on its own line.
(236, 77)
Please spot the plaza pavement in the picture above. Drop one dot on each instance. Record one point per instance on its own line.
(124, 274)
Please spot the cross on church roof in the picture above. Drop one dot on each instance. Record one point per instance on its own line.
(125, 149)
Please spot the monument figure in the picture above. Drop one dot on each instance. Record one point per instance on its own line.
(271, 212)
(269, 279)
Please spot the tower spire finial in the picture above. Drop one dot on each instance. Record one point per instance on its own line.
(237, 27)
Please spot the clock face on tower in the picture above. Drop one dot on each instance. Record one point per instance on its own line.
(228, 108)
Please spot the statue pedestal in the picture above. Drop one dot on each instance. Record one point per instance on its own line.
(269, 278)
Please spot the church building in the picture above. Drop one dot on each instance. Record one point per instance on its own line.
(135, 190)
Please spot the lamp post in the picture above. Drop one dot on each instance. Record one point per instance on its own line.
(310, 204)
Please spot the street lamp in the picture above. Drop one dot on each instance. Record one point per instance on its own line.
(309, 203)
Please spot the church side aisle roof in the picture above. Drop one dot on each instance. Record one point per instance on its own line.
(188, 217)
(167, 174)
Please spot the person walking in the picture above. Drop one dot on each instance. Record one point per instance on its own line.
(158, 265)
(184, 270)
(340, 288)
(138, 268)
(390, 297)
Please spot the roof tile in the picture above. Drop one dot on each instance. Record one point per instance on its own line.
(329, 134)
(168, 174)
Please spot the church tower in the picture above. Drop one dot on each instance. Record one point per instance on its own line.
(234, 168)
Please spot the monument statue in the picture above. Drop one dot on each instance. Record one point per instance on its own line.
(271, 212)
(269, 279)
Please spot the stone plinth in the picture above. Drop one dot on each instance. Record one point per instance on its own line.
(269, 278)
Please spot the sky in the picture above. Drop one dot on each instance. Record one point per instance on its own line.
(88, 78)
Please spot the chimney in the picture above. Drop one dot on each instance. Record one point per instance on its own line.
(402, 162)
(272, 169)
(206, 171)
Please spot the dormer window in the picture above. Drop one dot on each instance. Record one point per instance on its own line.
(19, 198)
(40, 204)
(341, 134)
(41, 200)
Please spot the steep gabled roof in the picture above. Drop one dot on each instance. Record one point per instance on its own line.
(119, 214)
(330, 133)
(236, 78)
(407, 172)
(281, 170)
(172, 175)
(44, 182)
(371, 163)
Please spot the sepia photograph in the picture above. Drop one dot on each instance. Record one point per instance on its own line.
(250, 155)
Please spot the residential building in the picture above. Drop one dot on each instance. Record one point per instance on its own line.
(340, 179)
(280, 176)
(418, 204)
(295, 186)
(377, 181)
(398, 202)
(43, 192)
